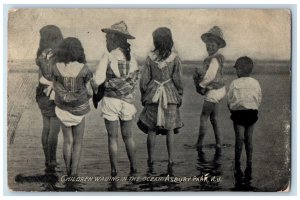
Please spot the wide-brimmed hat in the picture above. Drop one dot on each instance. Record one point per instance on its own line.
(120, 28)
(215, 33)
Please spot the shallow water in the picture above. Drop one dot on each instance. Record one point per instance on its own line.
(208, 170)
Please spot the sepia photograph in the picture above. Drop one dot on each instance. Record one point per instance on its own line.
(149, 100)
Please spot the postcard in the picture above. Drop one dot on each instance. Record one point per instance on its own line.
(155, 100)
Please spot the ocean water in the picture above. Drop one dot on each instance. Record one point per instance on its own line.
(206, 170)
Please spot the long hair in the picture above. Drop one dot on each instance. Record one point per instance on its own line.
(69, 50)
(163, 42)
(121, 42)
(50, 36)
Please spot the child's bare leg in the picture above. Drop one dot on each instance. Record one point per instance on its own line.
(151, 145)
(207, 109)
(45, 135)
(52, 139)
(68, 145)
(112, 130)
(214, 122)
(249, 150)
(129, 143)
(239, 141)
(78, 132)
(248, 143)
(170, 145)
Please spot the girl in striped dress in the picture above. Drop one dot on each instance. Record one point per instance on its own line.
(161, 92)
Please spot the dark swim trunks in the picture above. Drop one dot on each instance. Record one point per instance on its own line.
(244, 117)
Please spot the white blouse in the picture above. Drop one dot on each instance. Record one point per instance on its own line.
(244, 93)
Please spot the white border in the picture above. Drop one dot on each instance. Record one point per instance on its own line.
(158, 3)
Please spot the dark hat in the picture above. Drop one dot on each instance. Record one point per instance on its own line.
(216, 34)
(120, 28)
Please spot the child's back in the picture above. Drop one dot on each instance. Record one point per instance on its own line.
(244, 98)
(244, 93)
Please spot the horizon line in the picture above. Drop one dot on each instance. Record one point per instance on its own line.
(183, 60)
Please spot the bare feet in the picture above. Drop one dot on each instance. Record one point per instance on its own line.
(170, 168)
(113, 173)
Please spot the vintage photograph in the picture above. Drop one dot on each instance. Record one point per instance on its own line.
(153, 100)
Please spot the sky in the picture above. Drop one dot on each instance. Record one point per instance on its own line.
(257, 33)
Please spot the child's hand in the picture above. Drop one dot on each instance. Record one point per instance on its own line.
(179, 104)
(94, 85)
(228, 106)
(47, 91)
(203, 90)
(134, 75)
(89, 89)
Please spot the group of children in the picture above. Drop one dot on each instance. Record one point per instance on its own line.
(66, 84)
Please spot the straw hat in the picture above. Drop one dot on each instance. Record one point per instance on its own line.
(216, 34)
(120, 28)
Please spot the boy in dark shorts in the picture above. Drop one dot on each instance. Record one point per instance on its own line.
(244, 98)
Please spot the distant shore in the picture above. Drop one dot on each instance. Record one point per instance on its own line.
(261, 66)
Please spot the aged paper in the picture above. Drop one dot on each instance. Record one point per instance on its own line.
(264, 35)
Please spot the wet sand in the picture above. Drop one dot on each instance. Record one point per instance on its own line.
(271, 141)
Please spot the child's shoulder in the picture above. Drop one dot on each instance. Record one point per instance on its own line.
(153, 57)
(245, 81)
(218, 57)
(251, 79)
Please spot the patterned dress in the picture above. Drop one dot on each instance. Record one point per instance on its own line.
(161, 94)
(44, 88)
(71, 93)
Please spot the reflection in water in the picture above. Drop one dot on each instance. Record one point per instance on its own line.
(73, 186)
(157, 182)
(209, 166)
(50, 182)
(243, 180)
(112, 186)
(148, 185)
(44, 178)
(241, 185)
(210, 169)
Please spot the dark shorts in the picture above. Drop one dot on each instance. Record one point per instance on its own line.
(244, 117)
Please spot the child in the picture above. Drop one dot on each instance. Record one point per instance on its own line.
(211, 85)
(50, 37)
(71, 76)
(161, 92)
(119, 71)
(244, 98)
